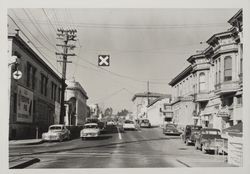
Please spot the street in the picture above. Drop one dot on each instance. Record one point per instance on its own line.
(147, 147)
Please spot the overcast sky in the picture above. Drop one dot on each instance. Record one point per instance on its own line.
(144, 44)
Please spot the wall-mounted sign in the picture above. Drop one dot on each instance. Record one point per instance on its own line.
(24, 105)
(223, 112)
(17, 75)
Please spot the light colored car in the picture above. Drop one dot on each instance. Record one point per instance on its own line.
(129, 124)
(57, 132)
(90, 130)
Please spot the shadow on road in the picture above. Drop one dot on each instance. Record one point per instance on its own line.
(102, 145)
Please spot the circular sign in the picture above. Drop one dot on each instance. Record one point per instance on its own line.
(17, 75)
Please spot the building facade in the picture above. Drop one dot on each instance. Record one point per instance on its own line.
(210, 89)
(76, 104)
(159, 111)
(35, 97)
(141, 101)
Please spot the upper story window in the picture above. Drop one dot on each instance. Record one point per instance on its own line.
(228, 68)
(31, 76)
(44, 82)
(202, 82)
(53, 91)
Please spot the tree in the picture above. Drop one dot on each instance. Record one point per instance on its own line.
(108, 111)
(123, 112)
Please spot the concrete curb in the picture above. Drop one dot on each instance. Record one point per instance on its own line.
(25, 163)
(26, 143)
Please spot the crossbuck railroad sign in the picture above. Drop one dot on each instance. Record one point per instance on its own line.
(103, 60)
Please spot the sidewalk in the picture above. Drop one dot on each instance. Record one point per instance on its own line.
(26, 142)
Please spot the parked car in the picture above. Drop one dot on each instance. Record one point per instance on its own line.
(56, 133)
(208, 139)
(189, 134)
(145, 123)
(171, 129)
(129, 124)
(90, 130)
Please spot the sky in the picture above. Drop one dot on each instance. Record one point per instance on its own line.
(143, 44)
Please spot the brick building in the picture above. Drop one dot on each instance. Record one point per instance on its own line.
(34, 99)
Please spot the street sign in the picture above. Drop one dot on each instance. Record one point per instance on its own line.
(103, 60)
(17, 75)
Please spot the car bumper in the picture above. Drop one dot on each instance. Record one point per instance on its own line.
(86, 135)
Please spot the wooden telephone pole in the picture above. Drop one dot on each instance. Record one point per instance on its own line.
(65, 36)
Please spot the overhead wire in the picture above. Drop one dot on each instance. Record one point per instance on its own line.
(42, 54)
(31, 18)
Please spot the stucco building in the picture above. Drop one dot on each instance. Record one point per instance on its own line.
(141, 101)
(159, 111)
(35, 97)
(76, 104)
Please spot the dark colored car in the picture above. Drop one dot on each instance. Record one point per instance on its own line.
(206, 138)
(145, 123)
(190, 133)
(171, 129)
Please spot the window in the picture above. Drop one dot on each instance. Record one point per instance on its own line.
(31, 72)
(44, 82)
(239, 100)
(202, 82)
(227, 68)
(59, 94)
(53, 91)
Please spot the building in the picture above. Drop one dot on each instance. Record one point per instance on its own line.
(209, 91)
(76, 104)
(141, 101)
(183, 105)
(159, 111)
(35, 97)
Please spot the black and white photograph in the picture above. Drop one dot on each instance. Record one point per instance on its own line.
(122, 88)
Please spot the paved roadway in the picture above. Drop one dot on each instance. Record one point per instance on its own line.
(131, 149)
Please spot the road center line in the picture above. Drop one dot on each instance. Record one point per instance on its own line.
(119, 134)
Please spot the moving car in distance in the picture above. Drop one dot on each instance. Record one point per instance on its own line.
(171, 129)
(57, 132)
(145, 123)
(190, 133)
(90, 130)
(208, 139)
(129, 124)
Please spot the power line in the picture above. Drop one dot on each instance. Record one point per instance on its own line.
(38, 29)
(133, 26)
(32, 42)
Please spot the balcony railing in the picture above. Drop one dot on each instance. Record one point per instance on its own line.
(201, 96)
(227, 87)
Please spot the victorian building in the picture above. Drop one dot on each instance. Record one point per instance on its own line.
(209, 91)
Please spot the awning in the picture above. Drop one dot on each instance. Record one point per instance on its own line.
(238, 128)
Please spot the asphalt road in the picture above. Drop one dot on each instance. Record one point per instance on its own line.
(147, 147)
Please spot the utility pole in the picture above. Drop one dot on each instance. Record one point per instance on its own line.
(65, 36)
(148, 91)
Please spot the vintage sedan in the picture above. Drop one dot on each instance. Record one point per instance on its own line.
(171, 129)
(145, 123)
(129, 125)
(90, 130)
(208, 139)
(56, 133)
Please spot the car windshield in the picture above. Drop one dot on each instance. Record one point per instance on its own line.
(90, 127)
(129, 122)
(170, 125)
(145, 121)
(55, 128)
(211, 132)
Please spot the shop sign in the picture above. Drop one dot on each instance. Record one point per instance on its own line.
(223, 112)
(24, 105)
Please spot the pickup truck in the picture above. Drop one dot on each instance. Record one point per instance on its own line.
(209, 139)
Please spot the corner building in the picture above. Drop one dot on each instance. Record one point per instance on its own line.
(35, 98)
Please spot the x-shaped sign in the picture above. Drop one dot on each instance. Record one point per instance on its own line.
(103, 60)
